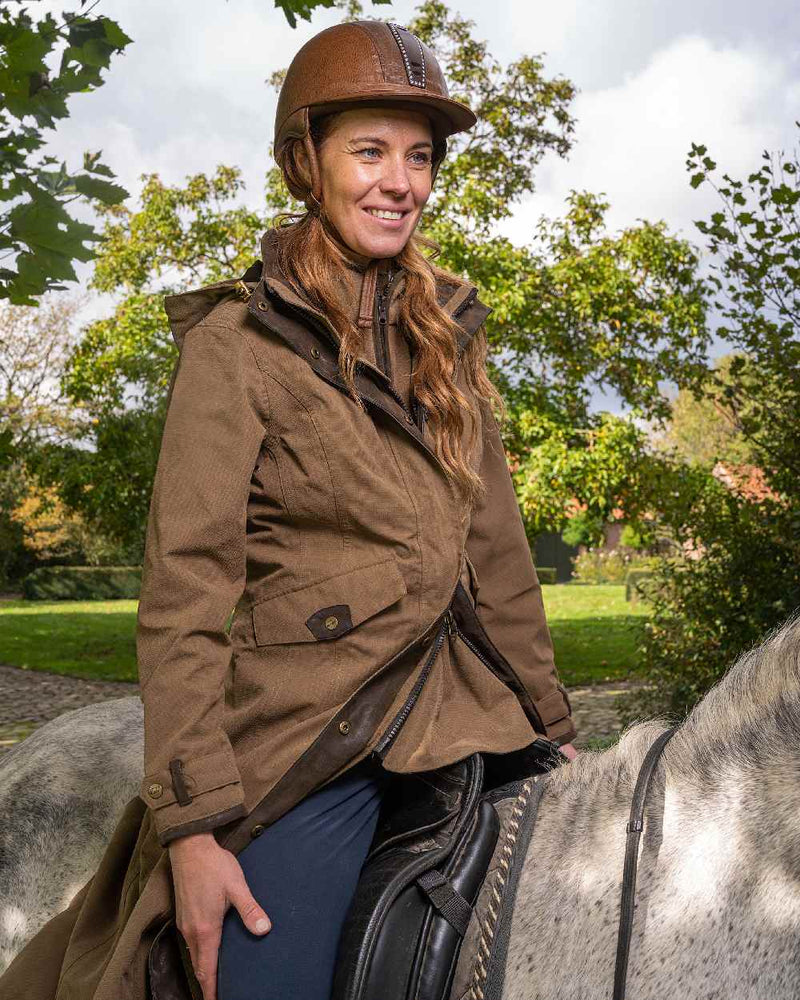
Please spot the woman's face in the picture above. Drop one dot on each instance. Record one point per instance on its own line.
(375, 161)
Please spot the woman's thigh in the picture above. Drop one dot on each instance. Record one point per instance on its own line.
(303, 871)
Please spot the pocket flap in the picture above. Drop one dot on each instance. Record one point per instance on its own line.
(330, 608)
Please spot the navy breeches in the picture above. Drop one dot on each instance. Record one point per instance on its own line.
(303, 871)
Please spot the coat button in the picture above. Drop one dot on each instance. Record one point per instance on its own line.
(344, 727)
(257, 830)
(263, 306)
(331, 622)
(314, 352)
(155, 791)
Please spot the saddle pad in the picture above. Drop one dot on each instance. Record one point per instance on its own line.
(480, 970)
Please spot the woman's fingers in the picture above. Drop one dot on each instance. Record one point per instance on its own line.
(205, 955)
(253, 917)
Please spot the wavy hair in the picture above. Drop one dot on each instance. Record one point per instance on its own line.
(314, 264)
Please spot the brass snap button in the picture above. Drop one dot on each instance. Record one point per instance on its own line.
(257, 830)
(155, 791)
(409, 419)
(331, 622)
(344, 727)
(263, 306)
(314, 352)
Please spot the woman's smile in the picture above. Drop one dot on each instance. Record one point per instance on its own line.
(376, 170)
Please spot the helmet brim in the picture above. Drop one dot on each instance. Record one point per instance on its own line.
(447, 117)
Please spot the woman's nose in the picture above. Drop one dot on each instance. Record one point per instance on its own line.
(395, 177)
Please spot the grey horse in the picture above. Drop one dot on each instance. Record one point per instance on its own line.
(718, 893)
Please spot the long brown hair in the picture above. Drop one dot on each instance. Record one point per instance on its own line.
(311, 259)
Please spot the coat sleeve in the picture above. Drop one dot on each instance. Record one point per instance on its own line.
(509, 597)
(193, 574)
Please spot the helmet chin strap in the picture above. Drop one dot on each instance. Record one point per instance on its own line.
(314, 197)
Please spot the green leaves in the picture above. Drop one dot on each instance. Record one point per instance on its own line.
(293, 9)
(39, 238)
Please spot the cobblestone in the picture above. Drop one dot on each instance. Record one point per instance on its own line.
(29, 698)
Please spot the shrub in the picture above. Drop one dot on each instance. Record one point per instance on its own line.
(82, 583)
(633, 583)
(583, 528)
(602, 566)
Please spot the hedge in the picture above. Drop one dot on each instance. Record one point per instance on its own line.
(82, 583)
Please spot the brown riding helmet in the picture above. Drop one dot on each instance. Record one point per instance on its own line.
(362, 62)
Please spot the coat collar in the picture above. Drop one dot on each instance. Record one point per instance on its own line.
(275, 305)
(459, 300)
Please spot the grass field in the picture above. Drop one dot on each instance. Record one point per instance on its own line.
(594, 631)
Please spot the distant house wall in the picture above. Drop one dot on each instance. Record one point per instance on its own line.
(552, 550)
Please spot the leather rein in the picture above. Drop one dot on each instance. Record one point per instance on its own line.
(634, 828)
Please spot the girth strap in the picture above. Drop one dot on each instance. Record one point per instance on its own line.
(446, 899)
(635, 827)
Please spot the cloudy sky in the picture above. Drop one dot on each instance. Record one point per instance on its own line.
(191, 91)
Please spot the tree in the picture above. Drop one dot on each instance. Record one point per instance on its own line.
(39, 239)
(35, 413)
(705, 429)
(708, 610)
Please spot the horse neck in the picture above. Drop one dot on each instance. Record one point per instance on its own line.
(703, 856)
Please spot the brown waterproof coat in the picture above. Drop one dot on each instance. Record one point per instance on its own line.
(371, 614)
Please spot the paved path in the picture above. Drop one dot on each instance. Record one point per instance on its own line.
(29, 698)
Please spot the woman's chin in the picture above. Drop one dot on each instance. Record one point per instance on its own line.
(374, 237)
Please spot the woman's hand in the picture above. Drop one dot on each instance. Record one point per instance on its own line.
(569, 751)
(208, 879)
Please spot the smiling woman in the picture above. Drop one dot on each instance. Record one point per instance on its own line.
(375, 169)
(332, 466)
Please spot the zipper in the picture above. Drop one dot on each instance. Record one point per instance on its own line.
(322, 328)
(468, 642)
(471, 645)
(446, 627)
(381, 348)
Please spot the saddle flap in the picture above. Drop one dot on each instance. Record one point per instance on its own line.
(389, 912)
(416, 805)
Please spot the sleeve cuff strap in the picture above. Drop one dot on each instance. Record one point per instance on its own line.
(553, 707)
(187, 778)
(202, 825)
(562, 732)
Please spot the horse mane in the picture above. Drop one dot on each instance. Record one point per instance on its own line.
(748, 720)
(752, 714)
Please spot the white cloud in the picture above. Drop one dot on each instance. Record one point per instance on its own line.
(632, 139)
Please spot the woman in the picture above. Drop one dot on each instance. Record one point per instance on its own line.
(330, 464)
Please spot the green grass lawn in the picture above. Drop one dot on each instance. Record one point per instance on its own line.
(595, 631)
(91, 639)
(593, 628)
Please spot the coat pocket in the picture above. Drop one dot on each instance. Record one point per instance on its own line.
(328, 608)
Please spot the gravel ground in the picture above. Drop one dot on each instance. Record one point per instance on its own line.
(29, 698)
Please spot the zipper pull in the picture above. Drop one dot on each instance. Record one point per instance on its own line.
(452, 629)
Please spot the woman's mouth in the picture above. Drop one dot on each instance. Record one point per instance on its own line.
(388, 218)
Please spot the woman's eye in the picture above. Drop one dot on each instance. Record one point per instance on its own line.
(369, 149)
(421, 158)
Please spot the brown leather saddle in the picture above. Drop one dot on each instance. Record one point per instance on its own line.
(436, 836)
